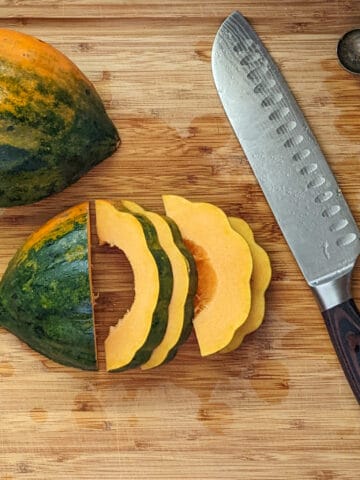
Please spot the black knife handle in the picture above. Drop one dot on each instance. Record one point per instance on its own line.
(343, 324)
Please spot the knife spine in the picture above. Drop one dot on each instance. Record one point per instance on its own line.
(269, 78)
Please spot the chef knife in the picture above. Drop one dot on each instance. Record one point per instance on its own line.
(295, 178)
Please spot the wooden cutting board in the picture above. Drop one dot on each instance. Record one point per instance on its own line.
(279, 407)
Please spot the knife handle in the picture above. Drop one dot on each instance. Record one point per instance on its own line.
(343, 324)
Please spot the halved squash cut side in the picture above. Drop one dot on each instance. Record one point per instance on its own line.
(181, 309)
(217, 249)
(131, 342)
(260, 279)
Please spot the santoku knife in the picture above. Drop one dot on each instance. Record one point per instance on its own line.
(295, 178)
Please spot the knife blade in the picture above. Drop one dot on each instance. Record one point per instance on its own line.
(296, 180)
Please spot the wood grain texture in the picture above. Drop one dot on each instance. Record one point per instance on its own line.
(279, 407)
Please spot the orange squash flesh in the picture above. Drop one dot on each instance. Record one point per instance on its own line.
(260, 280)
(217, 249)
(128, 338)
(181, 285)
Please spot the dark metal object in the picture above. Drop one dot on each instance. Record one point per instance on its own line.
(348, 51)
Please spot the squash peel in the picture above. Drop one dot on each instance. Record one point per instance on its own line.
(53, 124)
(46, 295)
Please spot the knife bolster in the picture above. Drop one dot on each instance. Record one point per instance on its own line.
(333, 292)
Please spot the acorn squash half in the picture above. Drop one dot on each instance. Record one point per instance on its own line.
(181, 307)
(224, 266)
(260, 280)
(45, 294)
(53, 124)
(131, 342)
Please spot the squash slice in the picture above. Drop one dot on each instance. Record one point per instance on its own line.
(45, 294)
(260, 279)
(181, 307)
(224, 266)
(131, 342)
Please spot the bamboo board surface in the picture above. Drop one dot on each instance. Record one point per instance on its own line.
(279, 407)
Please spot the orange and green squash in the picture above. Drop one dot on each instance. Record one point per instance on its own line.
(181, 307)
(131, 342)
(53, 125)
(260, 279)
(224, 266)
(45, 294)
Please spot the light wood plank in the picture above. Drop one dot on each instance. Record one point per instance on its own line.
(280, 406)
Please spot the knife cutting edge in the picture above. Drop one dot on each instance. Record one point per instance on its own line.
(296, 180)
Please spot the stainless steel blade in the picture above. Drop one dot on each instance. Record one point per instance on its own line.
(284, 154)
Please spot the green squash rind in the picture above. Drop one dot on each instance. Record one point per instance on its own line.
(189, 303)
(188, 311)
(160, 314)
(46, 298)
(51, 140)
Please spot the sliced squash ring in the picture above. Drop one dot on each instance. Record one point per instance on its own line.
(224, 265)
(260, 280)
(131, 342)
(184, 287)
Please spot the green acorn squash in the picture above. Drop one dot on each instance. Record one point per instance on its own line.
(131, 342)
(181, 307)
(45, 294)
(53, 125)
